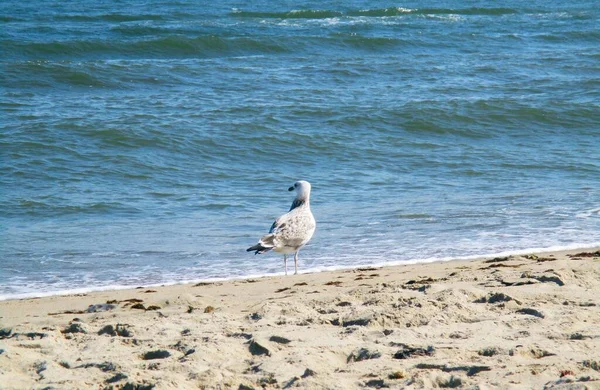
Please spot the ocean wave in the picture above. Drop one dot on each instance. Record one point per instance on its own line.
(294, 14)
(168, 46)
(376, 12)
(467, 11)
(10, 18)
(54, 208)
(109, 17)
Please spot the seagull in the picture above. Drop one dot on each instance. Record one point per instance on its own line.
(290, 232)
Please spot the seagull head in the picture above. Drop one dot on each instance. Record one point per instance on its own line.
(302, 189)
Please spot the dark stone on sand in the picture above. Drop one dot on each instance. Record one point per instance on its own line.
(474, 370)
(109, 330)
(407, 351)
(376, 383)
(344, 304)
(133, 386)
(531, 312)
(185, 349)
(255, 316)
(5, 333)
(31, 335)
(489, 352)
(578, 336)
(242, 335)
(280, 340)
(133, 300)
(500, 265)
(267, 380)
(471, 370)
(153, 307)
(308, 372)
(117, 377)
(555, 279)
(105, 366)
(74, 328)
(68, 312)
(586, 254)
(123, 330)
(256, 348)
(544, 278)
(138, 306)
(587, 304)
(537, 353)
(327, 311)
(100, 308)
(362, 354)
(509, 282)
(418, 285)
(120, 330)
(1, 351)
(40, 366)
(565, 383)
(497, 260)
(244, 387)
(422, 281)
(593, 364)
(158, 354)
(364, 321)
(496, 298)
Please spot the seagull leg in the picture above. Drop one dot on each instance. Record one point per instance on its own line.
(285, 263)
(296, 262)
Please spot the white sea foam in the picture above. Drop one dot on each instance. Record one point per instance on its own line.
(588, 213)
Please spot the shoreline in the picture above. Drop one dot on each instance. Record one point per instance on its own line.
(528, 320)
(517, 252)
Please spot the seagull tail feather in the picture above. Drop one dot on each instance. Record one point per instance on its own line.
(264, 245)
(258, 248)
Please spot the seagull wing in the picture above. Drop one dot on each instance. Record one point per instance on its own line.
(278, 225)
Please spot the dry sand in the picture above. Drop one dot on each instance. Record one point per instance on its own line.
(518, 322)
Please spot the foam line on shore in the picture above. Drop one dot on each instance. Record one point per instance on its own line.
(518, 252)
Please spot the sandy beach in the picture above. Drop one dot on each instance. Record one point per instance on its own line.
(527, 321)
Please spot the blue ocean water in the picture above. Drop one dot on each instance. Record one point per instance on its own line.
(152, 142)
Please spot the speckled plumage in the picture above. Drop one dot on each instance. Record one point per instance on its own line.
(291, 231)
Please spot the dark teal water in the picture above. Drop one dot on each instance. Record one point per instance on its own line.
(149, 142)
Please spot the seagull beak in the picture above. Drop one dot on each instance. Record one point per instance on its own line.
(291, 188)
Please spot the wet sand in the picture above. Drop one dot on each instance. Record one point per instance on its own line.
(529, 321)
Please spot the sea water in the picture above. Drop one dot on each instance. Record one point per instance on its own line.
(152, 142)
